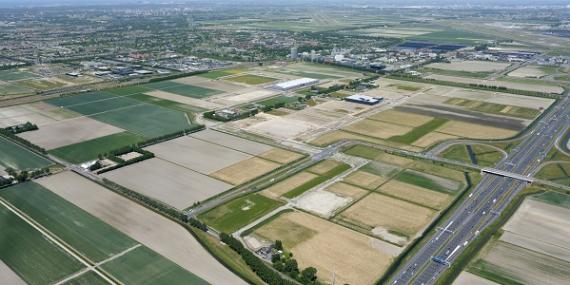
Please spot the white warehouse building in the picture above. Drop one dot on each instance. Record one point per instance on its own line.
(297, 83)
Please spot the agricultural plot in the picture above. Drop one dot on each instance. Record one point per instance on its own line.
(251, 79)
(68, 132)
(218, 84)
(11, 75)
(240, 212)
(85, 233)
(453, 37)
(326, 202)
(416, 194)
(354, 257)
(183, 89)
(483, 155)
(471, 66)
(17, 157)
(546, 88)
(529, 71)
(215, 74)
(8, 276)
(198, 155)
(532, 249)
(125, 113)
(245, 171)
(390, 219)
(288, 184)
(231, 141)
(141, 224)
(38, 113)
(556, 172)
(30, 254)
(13, 88)
(497, 109)
(89, 150)
(143, 266)
(167, 182)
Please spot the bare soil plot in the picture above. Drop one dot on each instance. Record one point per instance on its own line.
(396, 216)
(512, 85)
(233, 142)
(343, 107)
(39, 113)
(401, 118)
(288, 184)
(354, 257)
(433, 138)
(68, 132)
(280, 127)
(245, 170)
(183, 99)
(540, 227)
(491, 97)
(523, 265)
(210, 84)
(474, 131)
(167, 182)
(529, 71)
(466, 278)
(346, 190)
(322, 203)
(280, 155)
(324, 166)
(334, 136)
(365, 180)
(470, 66)
(198, 155)
(8, 276)
(141, 224)
(377, 129)
(416, 194)
(253, 95)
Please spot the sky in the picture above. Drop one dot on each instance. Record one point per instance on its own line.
(19, 3)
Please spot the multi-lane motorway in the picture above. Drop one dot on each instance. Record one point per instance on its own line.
(485, 202)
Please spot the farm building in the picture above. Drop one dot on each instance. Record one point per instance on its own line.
(297, 83)
(363, 99)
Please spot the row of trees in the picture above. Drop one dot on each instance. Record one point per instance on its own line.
(474, 86)
(24, 175)
(256, 264)
(22, 128)
(10, 135)
(284, 262)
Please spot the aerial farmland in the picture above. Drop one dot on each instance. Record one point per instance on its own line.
(257, 143)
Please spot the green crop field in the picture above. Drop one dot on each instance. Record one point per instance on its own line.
(492, 108)
(239, 212)
(144, 266)
(422, 181)
(313, 75)
(13, 88)
(89, 150)
(251, 79)
(278, 100)
(419, 131)
(556, 172)
(17, 157)
(41, 84)
(316, 181)
(477, 154)
(166, 103)
(146, 120)
(554, 198)
(87, 278)
(82, 99)
(88, 235)
(28, 253)
(363, 151)
(220, 73)
(452, 37)
(129, 90)
(11, 75)
(183, 89)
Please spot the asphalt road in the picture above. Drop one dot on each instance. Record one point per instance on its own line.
(485, 202)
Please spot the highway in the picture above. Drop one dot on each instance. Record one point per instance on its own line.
(485, 202)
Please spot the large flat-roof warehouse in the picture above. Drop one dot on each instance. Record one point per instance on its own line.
(363, 99)
(296, 83)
